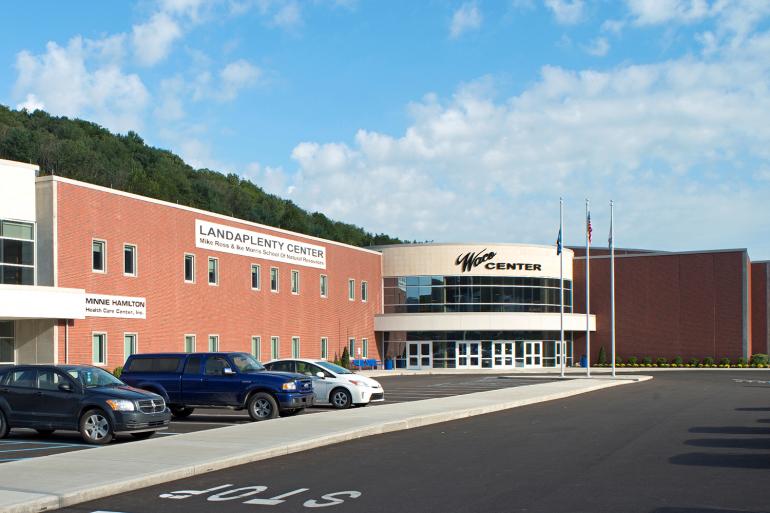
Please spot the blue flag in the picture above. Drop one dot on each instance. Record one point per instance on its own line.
(558, 243)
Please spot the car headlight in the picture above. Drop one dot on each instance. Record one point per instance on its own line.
(357, 383)
(290, 385)
(121, 405)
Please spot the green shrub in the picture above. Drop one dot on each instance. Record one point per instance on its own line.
(632, 360)
(677, 360)
(708, 361)
(741, 361)
(694, 362)
(647, 360)
(618, 360)
(602, 359)
(758, 358)
(336, 360)
(117, 371)
(724, 361)
(345, 359)
(661, 362)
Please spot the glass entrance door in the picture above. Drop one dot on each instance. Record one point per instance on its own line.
(533, 354)
(467, 355)
(486, 354)
(503, 354)
(418, 355)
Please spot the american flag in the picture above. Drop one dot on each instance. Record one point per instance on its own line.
(589, 230)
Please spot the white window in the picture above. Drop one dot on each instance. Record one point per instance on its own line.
(324, 348)
(274, 279)
(275, 347)
(324, 286)
(295, 347)
(256, 271)
(129, 260)
(364, 347)
(98, 256)
(189, 343)
(99, 348)
(352, 347)
(129, 345)
(213, 271)
(189, 268)
(294, 282)
(213, 343)
(364, 291)
(352, 289)
(256, 348)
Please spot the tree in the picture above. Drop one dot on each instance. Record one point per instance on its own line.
(602, 356)
(345, 360)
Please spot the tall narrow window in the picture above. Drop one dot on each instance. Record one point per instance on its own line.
(352, 347)
(364, 291)
(129, 260)
(189, 343)
(98, 256)
(324, 348)
(274, 279)
(295, 347)
(213, 271)
(99, 348)
(324, 286)
(352, 289)
(7, 345)
(213, 343)
(129, 344)
(275, 347)
(256, 348)
(364, 348)
(17, 253)
(256, 270)
(189, 268)
(294, 282)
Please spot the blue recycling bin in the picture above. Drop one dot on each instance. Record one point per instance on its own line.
(389, 364)
(584, 361)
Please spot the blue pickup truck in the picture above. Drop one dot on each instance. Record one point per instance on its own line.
(232, 380)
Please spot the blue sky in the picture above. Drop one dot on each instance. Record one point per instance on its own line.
(436, 120)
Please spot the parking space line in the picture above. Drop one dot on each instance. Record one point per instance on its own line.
(35, 442)
(37, 448)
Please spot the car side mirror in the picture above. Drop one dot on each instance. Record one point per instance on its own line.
(227, 371)
(320, 374)
(65, 387)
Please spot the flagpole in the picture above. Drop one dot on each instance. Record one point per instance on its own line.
(612, 283)
(561, 284)
(588, 287)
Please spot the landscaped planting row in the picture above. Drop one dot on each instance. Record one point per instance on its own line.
(757, 361)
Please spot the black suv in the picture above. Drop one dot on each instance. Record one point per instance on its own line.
(77, 397)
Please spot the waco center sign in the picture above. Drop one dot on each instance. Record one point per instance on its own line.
(228, 239)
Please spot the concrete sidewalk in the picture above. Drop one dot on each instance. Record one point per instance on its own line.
(66, 479)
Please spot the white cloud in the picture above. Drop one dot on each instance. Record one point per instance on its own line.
(467, 17)
(613, 26)
(598, 47)
(686, 139)
(651, 12)
(153, 40)
(566, 12)
(31, 103)
(236, 76)
(76, 81)
(288, 16)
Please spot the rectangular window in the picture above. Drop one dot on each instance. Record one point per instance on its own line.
(256, 348)
(324, 286)
(295, 347)
(98, 256)
(352, 289)
(213, 343)
(274, 279)
(275, 347)
(189, 343)
(352, 347)
(99, 348)
(17, 253)
(213, 271)
(256, 271)
(324, 348)
(364, 348)
(7, 346)
(364, 291)
(294, 282)
(129, 260)
(189, 268)
(129, 345)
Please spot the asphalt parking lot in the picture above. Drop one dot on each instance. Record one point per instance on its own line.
(26, 443)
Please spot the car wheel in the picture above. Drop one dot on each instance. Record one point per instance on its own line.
(290, 413)
(340, 398)
(4, 427)
(262, 406)
(181, 412)
(44, 432)
(144, 435)
(96, 428)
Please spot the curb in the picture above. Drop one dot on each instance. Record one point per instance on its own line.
(27, 501)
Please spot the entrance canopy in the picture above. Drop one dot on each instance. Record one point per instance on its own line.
(482, 321)
(30, 302)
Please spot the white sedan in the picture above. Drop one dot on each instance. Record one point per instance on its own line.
(333, 384)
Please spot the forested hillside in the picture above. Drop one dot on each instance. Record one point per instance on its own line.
(85, 151)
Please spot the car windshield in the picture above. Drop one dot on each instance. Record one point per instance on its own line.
(93, 377)
(247, 363)
(334, 368)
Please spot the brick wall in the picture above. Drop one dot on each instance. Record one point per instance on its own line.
(759, 312)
